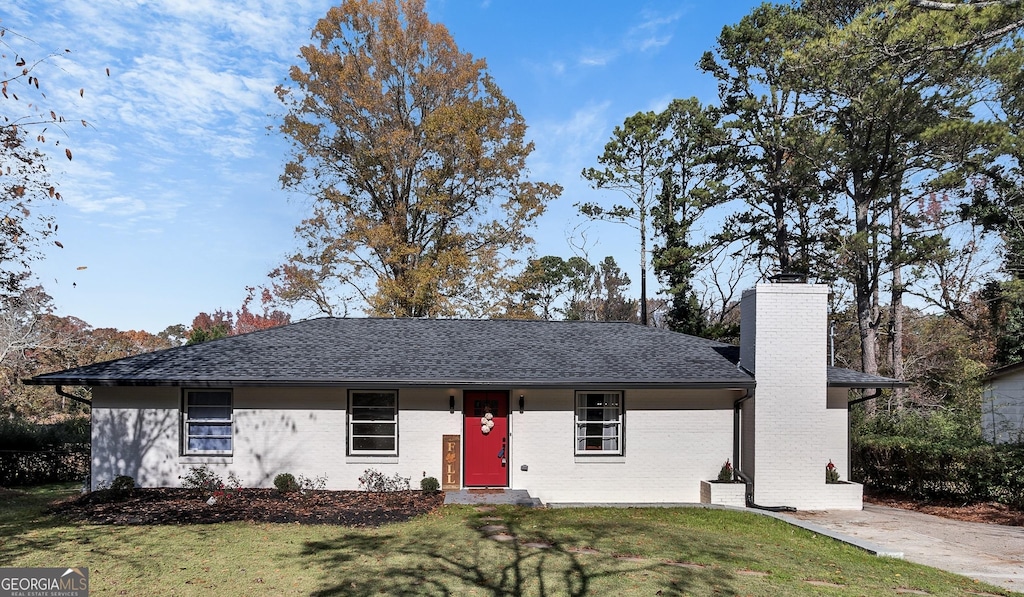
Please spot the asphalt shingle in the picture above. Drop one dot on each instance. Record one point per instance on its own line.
(436, 352)
(428, 352)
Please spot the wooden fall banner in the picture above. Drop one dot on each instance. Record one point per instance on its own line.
(450, 463)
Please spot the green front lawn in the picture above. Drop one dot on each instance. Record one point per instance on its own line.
(599, 551)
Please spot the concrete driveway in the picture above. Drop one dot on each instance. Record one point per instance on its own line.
(986, 552)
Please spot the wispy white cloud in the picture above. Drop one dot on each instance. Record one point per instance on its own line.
(653, 32)
(659, 104)
(596, 57)
(187, 78)
(569, 143)
(119, 205)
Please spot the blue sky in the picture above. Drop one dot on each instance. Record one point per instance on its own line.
(172, 202)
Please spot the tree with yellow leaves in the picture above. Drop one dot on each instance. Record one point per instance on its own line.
(415, 162)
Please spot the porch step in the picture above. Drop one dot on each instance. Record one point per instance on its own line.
(510, 497)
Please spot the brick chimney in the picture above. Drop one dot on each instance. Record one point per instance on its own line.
(793, 425)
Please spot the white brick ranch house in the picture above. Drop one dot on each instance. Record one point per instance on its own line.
(573, 412)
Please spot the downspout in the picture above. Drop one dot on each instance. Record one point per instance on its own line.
(736, 431)
(60, 392)
(749, 493)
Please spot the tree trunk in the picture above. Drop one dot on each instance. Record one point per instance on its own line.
(866, 294)
(896, 306)
(643, 267)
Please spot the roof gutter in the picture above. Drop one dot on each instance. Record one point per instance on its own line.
(391, 384)
(878, 392)
(60, 392)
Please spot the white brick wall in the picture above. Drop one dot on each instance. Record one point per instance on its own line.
(672, 440)
(136, 431)
(798, 426)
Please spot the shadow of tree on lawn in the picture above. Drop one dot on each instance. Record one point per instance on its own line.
(519, 562)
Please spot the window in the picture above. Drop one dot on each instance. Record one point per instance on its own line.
(373, 423)
(208, 422)
(599, 422)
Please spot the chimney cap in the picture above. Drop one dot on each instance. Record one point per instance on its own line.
(789, 278)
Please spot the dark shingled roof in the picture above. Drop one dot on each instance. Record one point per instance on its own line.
(432, 352)
(837, 376)
(848, 378)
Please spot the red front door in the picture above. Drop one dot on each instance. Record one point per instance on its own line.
(485, 439)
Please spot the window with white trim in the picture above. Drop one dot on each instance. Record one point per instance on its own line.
(373, 422)
(209, 422)
(599, 422)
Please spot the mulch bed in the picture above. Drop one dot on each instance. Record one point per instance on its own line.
(182, 506)
(361, 508)
(988, 512)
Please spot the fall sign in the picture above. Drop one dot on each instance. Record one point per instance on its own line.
(450, 463)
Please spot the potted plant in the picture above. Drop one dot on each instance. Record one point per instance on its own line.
(843, 495)
(726, 490)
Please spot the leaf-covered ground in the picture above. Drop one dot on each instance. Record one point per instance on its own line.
(987, 512)
(181, 506)
(360, 508)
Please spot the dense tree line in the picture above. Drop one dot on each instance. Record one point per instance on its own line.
(35, 340)
(867, 145)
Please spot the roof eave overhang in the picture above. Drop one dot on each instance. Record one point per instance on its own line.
(410, 383)
(852, 385)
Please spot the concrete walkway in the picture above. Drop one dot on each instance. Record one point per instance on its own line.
(986, 552)
(511, 497)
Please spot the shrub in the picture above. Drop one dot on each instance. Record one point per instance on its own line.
(922, 468)
(725, 474)
(122, 483)
(312, 483)
(374, 480)
(429, 484)
(286, 483)
(32, 453)
(202, 480)
(21, 434)
(234, 483)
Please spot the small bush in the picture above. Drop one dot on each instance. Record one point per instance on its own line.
(122, 483)
(429, 484)
(202, 480)
(234, 483)
(312, 483)
(286, 483)
(376, 481)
